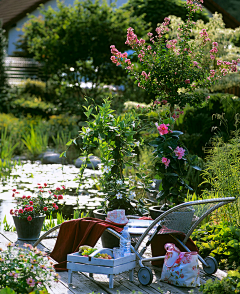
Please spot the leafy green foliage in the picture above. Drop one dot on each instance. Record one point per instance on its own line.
(215, 116)
(114, 136)
(36, 141)
(228, 285)
(155, 11)
(221, 173)
(222, 241)
(3, 76)
(73, 44)
(174, 186)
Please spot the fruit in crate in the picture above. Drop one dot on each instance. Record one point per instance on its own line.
(103, 256)
(88, 251)
(83, 248)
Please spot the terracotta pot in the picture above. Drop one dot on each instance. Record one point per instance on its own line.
(28, 230)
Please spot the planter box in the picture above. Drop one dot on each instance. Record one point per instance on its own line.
(92, 265)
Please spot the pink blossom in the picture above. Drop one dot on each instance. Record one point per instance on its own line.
(215, 44)
(11, 212)
(165, 161)
(60, 197)
(212, 71)
(162, 129)
(212, 56)
(45, 208)
(179, 152)
(219, 62)
(187, 81)
(29, 218)
(20, 210)
(30, 282)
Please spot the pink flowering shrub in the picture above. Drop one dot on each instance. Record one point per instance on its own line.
(172, 69)
(41, 204)
(25, 270)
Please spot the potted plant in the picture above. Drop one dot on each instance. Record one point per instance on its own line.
(172, 163)
(30, 211)
(25, 270)
(115, 138)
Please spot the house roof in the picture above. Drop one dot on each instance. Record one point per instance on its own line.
(228, 19)
(13, 10)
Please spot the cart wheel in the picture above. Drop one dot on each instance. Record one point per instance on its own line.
(145, 276)
(212, 265)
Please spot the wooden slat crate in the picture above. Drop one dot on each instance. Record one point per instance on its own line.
(110, 267)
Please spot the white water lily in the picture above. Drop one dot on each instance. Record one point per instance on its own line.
(119, 195)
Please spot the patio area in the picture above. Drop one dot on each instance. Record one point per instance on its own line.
(82, 283)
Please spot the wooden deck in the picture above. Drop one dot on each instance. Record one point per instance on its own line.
(82, 283)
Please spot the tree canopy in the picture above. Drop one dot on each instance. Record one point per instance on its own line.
(79, 37)
(155, 11)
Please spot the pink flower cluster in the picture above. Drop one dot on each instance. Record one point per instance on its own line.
(165, 161)
(179, 152)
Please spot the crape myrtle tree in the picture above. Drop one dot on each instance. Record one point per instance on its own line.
(173, 68)
(154, 11)
(226, 49)
(73, 45)
(3, 76)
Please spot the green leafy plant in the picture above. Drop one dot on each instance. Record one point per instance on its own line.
(7, 144)
(114, 136)
(172, 164)
(40, 204)
(6, 226)
(228, 285)
(25, 270)
(36, 141)
(222, 241)
(221, 175)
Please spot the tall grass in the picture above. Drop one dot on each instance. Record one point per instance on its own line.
(222, 174)
(36, 140)
(7, 148)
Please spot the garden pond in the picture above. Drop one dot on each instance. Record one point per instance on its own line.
(25, 177)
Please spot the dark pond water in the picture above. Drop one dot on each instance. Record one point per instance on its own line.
(26, 177)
